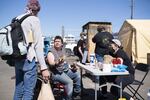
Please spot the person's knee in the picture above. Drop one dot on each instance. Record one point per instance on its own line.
(70, 83)
(78, 75)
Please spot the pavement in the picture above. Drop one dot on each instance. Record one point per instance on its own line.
(7, 84)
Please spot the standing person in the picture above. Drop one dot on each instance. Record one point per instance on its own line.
(102, 40)
(26, 68)
(118, 52)
(81, 45)
(61, 71)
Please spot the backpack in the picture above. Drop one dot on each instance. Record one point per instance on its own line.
(12, 41)
(75, 51)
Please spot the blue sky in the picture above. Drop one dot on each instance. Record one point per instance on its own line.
(73, 14)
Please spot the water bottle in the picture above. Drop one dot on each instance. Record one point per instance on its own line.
(148, 95)
(85, 54)
(92, 59)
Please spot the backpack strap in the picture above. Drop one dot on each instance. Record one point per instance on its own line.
(30, 37)
(23, 18)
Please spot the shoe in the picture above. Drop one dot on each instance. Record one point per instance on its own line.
(77, 96)
(103, 96)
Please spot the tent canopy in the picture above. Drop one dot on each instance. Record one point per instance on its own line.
(135, 38)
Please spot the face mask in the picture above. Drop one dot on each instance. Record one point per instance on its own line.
(111, 50)
(84, 37)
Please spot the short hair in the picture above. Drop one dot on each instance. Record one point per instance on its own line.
(100, 28)
(34, 5)
(82, 33)
(58, 37)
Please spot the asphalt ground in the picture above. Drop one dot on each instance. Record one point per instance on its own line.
(7, 84)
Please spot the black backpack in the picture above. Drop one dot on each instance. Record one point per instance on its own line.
(17, 35)
(75, 51)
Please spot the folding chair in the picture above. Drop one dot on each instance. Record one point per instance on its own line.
(134, 91)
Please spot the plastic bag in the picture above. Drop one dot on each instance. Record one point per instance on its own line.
(46, 92)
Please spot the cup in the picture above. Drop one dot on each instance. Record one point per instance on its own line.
(107, 67)
(100, 65)
(122, 99)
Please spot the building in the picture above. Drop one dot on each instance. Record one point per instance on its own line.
(91, 29)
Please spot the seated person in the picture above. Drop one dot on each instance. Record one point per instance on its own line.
(60, 69)
(117, 52)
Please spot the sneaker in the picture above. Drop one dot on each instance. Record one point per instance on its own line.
(103, 96)
(77, 96)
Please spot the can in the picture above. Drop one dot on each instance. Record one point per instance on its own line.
(92, 59)
(122, 99)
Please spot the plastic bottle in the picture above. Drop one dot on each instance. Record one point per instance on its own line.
(148, 95)
(92, 59)
(85, 56)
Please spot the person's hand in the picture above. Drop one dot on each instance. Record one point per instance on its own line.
(60, 61)
(45, 74)
(74, 68)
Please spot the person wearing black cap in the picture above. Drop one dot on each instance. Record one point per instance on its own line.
(118, 52)
(26, 69)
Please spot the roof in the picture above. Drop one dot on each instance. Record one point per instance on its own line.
(139, 24)
(105, 23)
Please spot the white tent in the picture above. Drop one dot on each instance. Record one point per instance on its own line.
(135, 38)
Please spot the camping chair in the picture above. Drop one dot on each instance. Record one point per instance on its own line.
(134, 91)
(58, 88)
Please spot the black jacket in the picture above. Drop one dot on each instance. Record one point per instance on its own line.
(126, 61)
(102, 40)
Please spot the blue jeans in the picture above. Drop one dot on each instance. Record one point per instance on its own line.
(75, 76)
(68, 79)
(26, 77)
(99, 58)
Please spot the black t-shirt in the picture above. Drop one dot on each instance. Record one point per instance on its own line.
(81, 43)
(126, 61)
(102, 40)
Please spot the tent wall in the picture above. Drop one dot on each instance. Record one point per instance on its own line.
(134, 36)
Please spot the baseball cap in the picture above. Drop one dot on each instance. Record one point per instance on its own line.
(117, 42)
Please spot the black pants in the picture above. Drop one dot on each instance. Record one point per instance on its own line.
(125, 81)
(104, 80)
(116, 80)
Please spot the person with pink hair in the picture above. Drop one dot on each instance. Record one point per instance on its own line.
(26, 68)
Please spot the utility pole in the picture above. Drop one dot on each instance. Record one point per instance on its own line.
(132, 8)
(63, 32)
